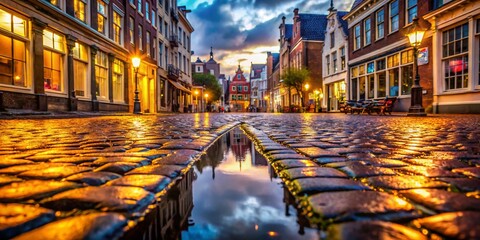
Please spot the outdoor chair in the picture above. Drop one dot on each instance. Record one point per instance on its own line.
(384, 106)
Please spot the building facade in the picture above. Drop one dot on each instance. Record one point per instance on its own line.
(380, 55)
(239, 92)
(58, 55)
(455, 54)
(301, 46)
(76, 55)
(258, 84)
(273, 79)
(335, 63)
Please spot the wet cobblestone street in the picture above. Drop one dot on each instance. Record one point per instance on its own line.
(353, 176)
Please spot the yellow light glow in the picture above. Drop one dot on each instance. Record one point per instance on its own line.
(256, 227)
(272, 234)
(17, 77)
(196, 92)
(307, 86)
(416, 37)
(136, 62)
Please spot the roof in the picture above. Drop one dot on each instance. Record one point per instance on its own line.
(340, 15)
(276, 58)
(313, 26)
(356, 4)
(211, 60)
(288, 31)
(257, 70)
(198, 60)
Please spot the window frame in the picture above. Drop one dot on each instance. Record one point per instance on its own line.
(357, 42)
(380, 23)
(393, 16)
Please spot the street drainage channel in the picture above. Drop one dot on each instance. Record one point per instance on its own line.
(233, 194)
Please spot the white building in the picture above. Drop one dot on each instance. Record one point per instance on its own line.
(456, 67)
(258, 86)
(335, 69)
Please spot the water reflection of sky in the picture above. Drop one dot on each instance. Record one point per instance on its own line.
(239, 201)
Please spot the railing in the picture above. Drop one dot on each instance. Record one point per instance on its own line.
(173, 40)
(173, 72)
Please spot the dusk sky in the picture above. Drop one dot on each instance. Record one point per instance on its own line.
(244, 30)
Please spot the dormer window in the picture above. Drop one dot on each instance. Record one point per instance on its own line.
(239, 76)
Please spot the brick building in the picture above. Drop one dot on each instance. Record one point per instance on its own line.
(239, 90)
(301, 45)
(273, 79)
(76, 54)
(380, 56)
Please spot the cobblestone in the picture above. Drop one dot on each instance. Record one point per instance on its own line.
(346, 172)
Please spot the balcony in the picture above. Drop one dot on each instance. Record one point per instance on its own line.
(173, 72)
(173, 39)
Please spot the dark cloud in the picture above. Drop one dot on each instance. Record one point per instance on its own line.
(270, 3)
(265, 33)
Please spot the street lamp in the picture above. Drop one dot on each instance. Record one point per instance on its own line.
(415, 35)
(136, 101)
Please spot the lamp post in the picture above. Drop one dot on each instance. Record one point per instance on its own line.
(415, 35)
(136, 102)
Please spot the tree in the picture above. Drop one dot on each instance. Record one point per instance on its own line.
(211, 84)
(295, 78)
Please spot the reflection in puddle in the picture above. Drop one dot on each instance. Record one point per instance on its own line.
(236, 197)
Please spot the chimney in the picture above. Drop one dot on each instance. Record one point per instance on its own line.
(283, 20)
(295, 11)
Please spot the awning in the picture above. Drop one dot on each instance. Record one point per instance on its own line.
(180, 86)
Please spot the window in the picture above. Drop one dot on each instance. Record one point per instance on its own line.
(53, 53)
(166, 30)
(188, 44)
(117, 28)
(79, 9)
(147, 11)
(131, 30)
(140, 37)
(55, 2)
(139, 6)
(391, 75)
(154, 17)
(166, 55)
(132, 2)
(154, 48)
(160, 25)
(328, 64)
(80, 69)
(380, 24)
(368, 31)
(160, 54)
(101, 75)
(147, 45)
(411, 10)
(334, 60)
(394, 16)
(117, 81)
(455, 57)
(245, 88)
(234, 88)
(239, 88)
(332, 39)
(239, 76)
(356, 44)
(102, 17)
(342, 57)
(12, 50)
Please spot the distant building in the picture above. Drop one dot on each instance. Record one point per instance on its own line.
(207, 67)
(335, 64)
(239, 90)
(301, 45)
(273, 78)
(258, 85)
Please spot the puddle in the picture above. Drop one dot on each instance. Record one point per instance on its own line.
(235, 196)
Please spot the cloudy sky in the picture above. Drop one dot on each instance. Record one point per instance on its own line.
(244, 30)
